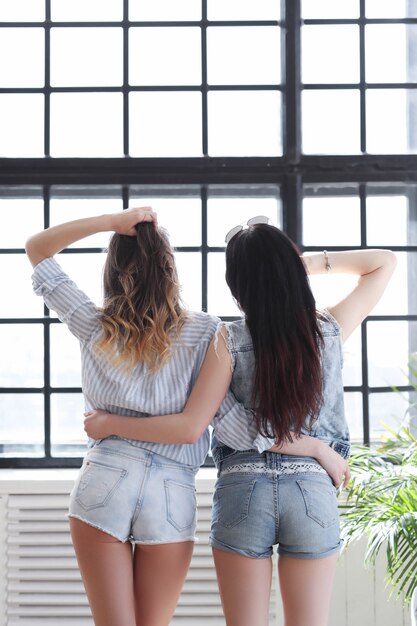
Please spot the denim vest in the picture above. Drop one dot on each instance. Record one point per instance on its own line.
(331, 425)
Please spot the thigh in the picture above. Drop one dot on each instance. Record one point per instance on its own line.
(106, 568)
(306, 587)
(159, 574)
(245, 588)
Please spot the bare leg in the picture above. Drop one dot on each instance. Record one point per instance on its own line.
(160, 571)
(306, 588)
(245, 588)
(106, 568)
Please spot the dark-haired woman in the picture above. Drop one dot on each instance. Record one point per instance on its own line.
(283, 361)
(141, 354)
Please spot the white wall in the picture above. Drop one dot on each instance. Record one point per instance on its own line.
(40, 585)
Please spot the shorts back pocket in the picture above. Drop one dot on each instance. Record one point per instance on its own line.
(98, 482)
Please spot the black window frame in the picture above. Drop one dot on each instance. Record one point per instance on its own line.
(290, 172)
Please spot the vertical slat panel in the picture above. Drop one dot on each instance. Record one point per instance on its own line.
(44, 588)
(3, 560)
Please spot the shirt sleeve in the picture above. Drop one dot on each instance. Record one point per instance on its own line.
(62, 295)
(235, 426)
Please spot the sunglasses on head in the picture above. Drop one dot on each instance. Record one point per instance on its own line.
(259, 219)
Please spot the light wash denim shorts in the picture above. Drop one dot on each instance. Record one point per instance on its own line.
(268, 499)
(134, 494)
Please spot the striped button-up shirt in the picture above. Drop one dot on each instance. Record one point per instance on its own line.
(135, 392)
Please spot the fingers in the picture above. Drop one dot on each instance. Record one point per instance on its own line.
(346, 477)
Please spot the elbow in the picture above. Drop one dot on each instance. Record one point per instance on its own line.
(193, 434)
(392, 259)
(32, 251)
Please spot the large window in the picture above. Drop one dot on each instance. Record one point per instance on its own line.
(212, 112)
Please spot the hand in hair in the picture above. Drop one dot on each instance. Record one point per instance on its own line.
(124, 222)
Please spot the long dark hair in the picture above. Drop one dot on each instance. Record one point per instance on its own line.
(142, 309)
(268, 279)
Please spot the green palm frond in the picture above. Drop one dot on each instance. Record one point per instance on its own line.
(381, 504)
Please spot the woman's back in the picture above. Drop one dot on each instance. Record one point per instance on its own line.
(136, 391)
(330, 424)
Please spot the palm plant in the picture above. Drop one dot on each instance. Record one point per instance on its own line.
(382, 505)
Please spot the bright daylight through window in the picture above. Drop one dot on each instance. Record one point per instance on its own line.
(211, 112)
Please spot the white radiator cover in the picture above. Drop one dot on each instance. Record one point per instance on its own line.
(40, 583)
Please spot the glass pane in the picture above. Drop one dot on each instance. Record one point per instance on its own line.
(21, 301)
(342, 65)
(244, 123)
(86, 271)
(388, 8)
(331, 221)
(388, 409)
(67, 424)
(165, 56)
(19, 218)
(352, 359)
(22, 10)
(86, 10)
(164, 10)
(390, 125)
(21, 125)
(24, 49)
(242, 55)
(65, 357)
(21, 426)
(165, 124)
(66, 209)
(24, 343)
(225, 212)
(181, 217)
(329, 9)
(354, 416)
(331, 122)
(400, 297)
(389, 347)
(243, 10)
(329, 289)
(189, 274)
(391, 220)
(220, 301)
(86, 57)
(390, 64)
(78, 121)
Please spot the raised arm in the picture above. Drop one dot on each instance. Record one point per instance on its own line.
(49, 242)
(374, 268)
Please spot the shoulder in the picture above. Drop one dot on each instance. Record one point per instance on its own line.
(199, 327)
(238, 334)
(328, 324)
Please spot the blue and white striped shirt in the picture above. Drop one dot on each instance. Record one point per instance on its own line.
(135, 392)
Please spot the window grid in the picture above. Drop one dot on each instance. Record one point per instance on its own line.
(291, 171)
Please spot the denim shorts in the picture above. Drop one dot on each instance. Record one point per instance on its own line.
(135, 495)
(268, 499)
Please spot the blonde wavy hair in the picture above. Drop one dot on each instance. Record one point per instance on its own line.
(142, 311)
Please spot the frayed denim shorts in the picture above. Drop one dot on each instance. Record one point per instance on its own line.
(268, 499)
(134, 494)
